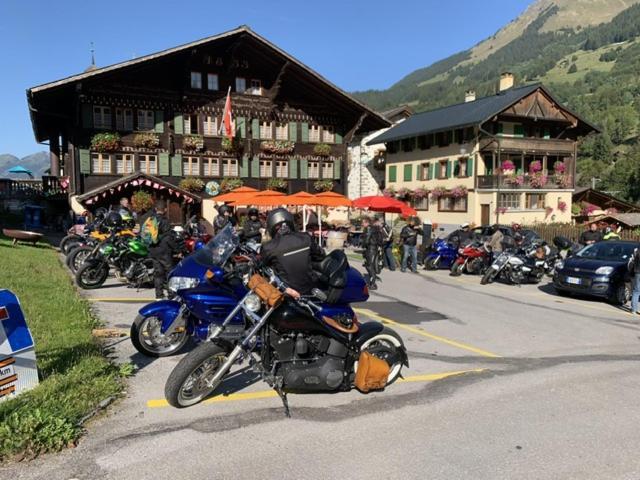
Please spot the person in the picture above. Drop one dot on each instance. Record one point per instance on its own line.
(610, 234)
(462, 235)
(161, 246)
(252, 228)
(592, 235)
(291, 254)
(495, 242)
(223, 218)
(409, 237)
(634, 270)
(371, 241)
(387, 245)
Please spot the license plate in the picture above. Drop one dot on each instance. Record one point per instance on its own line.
(574, 280)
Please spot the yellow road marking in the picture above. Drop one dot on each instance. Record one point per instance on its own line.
(121, 300)
(424, 333)
(431, 377)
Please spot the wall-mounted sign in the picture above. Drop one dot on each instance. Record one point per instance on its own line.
(18, 371)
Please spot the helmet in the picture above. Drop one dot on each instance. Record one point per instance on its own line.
(101, 213)
(464, 225)
(516, 227)
(127, 218)
(277, 217)
(222, 209)
(518, 237)
(252, 212)
(113, 220)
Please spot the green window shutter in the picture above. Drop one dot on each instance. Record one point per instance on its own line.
(448, 172)
(293, 131)
(470, 167)
(163, 164)
(419, 170)
(159, 117)
(392, 173)
(241, 127)
(255, 128)
(338, 138)
(244, 167)
(87, 115)
(178, 124)
(337, 169)
(293, 167)
(456, 168)
(304, 126)
(304, 168)
(176, 165)
(429, 171)
(85, 161)
(518, 130)
(255, 166)
(408, 172)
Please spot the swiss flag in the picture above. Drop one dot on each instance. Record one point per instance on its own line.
(227, 115)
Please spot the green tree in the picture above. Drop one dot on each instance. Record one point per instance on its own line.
(572, 68)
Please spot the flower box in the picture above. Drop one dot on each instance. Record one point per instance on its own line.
(105, 142)
(278, 147)
(323, 185)
(146, 140)
(322, 149)
(192, 143)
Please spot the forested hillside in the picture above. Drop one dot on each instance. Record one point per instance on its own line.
(594, 69)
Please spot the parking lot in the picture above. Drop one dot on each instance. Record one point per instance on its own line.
(504, 382)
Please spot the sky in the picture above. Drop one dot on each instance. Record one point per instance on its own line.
(357, 45)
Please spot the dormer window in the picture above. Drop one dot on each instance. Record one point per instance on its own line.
(196, 80)
(256, 87)
(212, 81)
(241, 84)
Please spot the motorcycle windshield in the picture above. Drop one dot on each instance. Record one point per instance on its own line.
(219, 248)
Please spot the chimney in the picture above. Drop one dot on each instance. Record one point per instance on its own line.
(506, 81)
(469, 96)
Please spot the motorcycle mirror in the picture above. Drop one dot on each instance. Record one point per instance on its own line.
(319, 294)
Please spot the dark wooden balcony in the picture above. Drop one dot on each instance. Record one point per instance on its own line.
(495, 182)
(24, 189)
(531, 145)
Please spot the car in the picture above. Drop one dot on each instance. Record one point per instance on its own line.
(598, 270)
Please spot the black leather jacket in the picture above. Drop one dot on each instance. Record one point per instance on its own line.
(409, 235)
(292, 256)
(371, 237)
(251, 230)
(166, 244)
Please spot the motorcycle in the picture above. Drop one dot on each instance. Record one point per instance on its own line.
(311, 345)
(516, 268)
(198, 302)
(472, 259)
(441, 254)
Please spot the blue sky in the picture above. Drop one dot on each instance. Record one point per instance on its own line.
(356, 44)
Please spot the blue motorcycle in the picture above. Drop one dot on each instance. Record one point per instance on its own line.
(206, 286)
(441, 254)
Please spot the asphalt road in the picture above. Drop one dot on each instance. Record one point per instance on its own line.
(504, 382)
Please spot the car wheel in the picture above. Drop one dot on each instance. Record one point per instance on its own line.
(621, 294)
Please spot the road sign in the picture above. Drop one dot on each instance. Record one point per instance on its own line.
(18, 371)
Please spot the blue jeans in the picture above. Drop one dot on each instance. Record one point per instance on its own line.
(410, 251)
(389, 260)
(635, 295)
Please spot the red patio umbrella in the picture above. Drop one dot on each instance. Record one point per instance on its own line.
(384, 204)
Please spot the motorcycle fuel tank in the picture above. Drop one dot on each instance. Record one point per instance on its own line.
(289, 317)
(211, 304)
(137, 247)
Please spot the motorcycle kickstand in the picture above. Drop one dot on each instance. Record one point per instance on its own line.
(285, 402)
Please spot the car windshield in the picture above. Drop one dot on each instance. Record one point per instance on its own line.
(614, 251)
(219, 248)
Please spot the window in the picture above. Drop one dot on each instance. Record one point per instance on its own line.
(408, 144)
(191, 124)
(420, 203)
(212, 81)
(327, 169)
(452, 204)
(241, 84)
(509, 200)
(443, 169)
(535, 201)
(282, 131)
(210, 125)
(392, 173)
(148, 164)
(101, 117)
(100, 163)
(462, 168)
(282, 169)
(392, 147)
(314, 133)
(266, 130)
(314, 170)
(256, 87)
(145, 120)
(196, 80)
(211, 167)
(191, 166)
(407, 173)
(124, 119)
(229, 167)
(266, 168)
(124, 163)
(423, 170)
(328, 135)
(424, 142)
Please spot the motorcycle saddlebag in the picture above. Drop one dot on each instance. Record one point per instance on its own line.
(372, 373)
(267, 292)
(561, 242)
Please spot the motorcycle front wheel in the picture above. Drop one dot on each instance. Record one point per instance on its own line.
(488, 277)
(456, 270)
(91, 276)
(432, 264)
(147, 338)
(187, 383)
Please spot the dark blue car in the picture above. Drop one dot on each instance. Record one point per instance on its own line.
(598, 270)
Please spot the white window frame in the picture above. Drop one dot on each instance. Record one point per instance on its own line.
(188, 124)
(282, 169)
(327, 167)
(314, 133)
(229, 167)
(146, 120)
(196, 80)
(266, 130)
(124, 119)
(328, 135)
(124, 163)
(421, 203)
(191, 166)
(148, 164)
(210, 167)
(282, 131)
(313, 170)
(511, 201)
(210, 125)
(256, 86)
(266, 168)
(101, 116)
(241, 84)
(212, 81)
(103, 163)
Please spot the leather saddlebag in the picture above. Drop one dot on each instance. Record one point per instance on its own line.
(372, 373)
(267, 292)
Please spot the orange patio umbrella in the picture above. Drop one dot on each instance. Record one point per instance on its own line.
(264, 198)
(332, 199)
(301, 198)
(235, 194)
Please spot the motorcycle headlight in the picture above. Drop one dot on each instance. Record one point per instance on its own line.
(604, 271)
(253, 303)
(180, 283)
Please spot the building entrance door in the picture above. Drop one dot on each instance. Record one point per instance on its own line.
(485, 214)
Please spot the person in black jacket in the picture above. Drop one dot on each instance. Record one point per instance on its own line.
(409, 236)
(162, 251)
(592, 235)
(371, 242)
(291, 254)
(225, 216)
(252, 229)
(462, 235)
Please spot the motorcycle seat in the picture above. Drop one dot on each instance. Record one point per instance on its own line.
(332, 274)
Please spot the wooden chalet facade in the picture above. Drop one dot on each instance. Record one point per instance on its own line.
(165, 110)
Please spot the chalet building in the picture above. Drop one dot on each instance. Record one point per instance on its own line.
(151, 122)
(508, 157)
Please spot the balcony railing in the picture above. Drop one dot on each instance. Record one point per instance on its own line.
(31, 188)
(541, 145)
(526, 182)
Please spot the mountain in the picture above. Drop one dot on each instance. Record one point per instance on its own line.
(586, 51)
(38, 163)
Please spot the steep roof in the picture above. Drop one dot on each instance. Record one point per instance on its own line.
(149, 180)
(461, 115)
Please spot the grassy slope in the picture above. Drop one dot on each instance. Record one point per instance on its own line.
(74, 375)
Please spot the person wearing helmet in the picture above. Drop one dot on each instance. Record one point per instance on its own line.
(252, 228)
(113, 221)
(128, 217)
(291, 254)
(610, 234)
(161, 251)
(462, 235)
(224, 217)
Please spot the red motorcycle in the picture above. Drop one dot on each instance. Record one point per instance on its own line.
(195, 238)
(473, 258)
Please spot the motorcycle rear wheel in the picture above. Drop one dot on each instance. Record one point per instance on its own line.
(187, 383)
(91, 276)
(488, 277)
(456, 270)
(65, 240)
(147, 339)
(384, 346)
(77, 256)
(71, 244)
